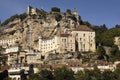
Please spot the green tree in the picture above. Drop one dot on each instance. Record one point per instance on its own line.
(23, 76)
(58, 17)
(99, 31)
(92, 74)
(101, 50)
(68, 11)
(23, 16)
(115, 53)
(117, 71)
(8, 78)
(107, 38)
(117, 26)
(114, 50)
(103, 28)
(3, 59)
(115, 57)
(102, 53)
(55, 9)
(46, 75)
(4, 75)
(80, 75)
(42, 75)
(31, 70)
(64, 74)
(35, 76)
(12, 18)
(109, 75)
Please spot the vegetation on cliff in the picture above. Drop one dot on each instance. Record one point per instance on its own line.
(12, 18)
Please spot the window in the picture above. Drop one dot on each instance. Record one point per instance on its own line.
(64, 40)
(84, 46)
(84, 35)
(80, 39)
(65, 49)
(91, 45)
(76, 34)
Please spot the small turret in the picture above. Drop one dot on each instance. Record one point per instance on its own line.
(29, 10)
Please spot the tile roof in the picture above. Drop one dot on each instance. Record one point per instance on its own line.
(83, 28)
(2, 68)
(64, 35)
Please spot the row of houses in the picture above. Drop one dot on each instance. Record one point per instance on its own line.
(76, 65)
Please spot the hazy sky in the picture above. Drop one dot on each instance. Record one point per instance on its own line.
(97, 12)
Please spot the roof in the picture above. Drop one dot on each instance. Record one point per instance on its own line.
(12, 53)
(3, 54)
(83, 28)
(6, 67)
(64, 35)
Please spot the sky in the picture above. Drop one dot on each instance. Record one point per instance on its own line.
(97, 12)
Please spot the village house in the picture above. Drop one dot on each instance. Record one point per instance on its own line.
(84, 38)
(117, 41)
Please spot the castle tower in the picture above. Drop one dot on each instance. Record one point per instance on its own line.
(29, 10)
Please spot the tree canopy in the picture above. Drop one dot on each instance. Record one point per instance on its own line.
(64, 74)
(55, 9)
(12, 18)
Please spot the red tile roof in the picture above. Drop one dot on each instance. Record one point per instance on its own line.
(83, 28)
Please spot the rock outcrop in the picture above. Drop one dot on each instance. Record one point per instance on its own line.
(39, 23)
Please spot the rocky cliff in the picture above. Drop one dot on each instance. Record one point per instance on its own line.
(39, 23)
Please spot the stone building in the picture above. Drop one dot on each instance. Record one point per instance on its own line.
(81, 39)
(8, 42)
(117, 41)
(67, 43)
(47, 45)
(84, 39)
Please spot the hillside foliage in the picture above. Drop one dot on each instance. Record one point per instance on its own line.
(12, 18)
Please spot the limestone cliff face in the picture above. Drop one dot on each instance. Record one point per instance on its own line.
(44, 24)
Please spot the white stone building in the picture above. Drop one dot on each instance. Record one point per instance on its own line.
(117, 41)
(8, 42)
(14, 73)
(12, 49)
(48, 44)
(84, 38)
(59, 44)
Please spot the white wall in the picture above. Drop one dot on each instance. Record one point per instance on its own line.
(86, 40)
